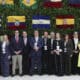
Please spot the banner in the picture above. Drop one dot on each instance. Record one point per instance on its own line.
(65, 21)
(16, 22)
(29, 3)
(6, 2)
(74, 3)
(41, 22)
(53, 3)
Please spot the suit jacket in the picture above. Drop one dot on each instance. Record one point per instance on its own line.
(74, 45)
(7, 52)
(69, 47)
(61, 44)
(39, 44)
(16, 46)
(26, 48)
(51, 47)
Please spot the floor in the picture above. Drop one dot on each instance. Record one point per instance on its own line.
(44, 77)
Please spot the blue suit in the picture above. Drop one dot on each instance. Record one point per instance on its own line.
(35, 56)
(5, 60)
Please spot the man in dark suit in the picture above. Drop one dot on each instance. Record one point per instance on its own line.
(58, 50)
(16, 47)
(68, 50)
(45, 55)
(36, 44)
(51, 53)
(26, 51)
(75, 42)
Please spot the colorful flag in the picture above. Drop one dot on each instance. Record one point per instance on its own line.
(29, 3)
(41, 22)
(7, 2)
(0, 21)
(53, 3)
(16, 22)
(74, 3)
(66, 21)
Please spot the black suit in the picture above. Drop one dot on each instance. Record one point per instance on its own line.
(51, 56)
(74, 59)
(68, 48)
(59, 58)
(26, 51)
(45, 55)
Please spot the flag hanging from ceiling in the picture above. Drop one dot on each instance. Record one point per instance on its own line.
(0, 21)
(41, 22)
(16, 22)
(65, 21)
(53, 3)
(6, 2)
(74, 3)
(29, 3)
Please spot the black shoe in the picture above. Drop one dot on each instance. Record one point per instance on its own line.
(20, 74)
(13, 75)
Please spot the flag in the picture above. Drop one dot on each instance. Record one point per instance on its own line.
(41, 22)
(74, 3)
(29, 3)
(0, 21)
(7, 2)
(66, 21)
(16, 22)
(53, 3)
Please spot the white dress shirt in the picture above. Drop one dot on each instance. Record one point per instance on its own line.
(36, 41)
(4, 47)
(25, 40)
(76, 42)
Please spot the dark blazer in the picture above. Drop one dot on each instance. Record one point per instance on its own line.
(69, 47)
(50, 45)
(16, 46)
(74, 45)
(47, 44)
(7, 49)
(4, 57)
(40, 45)
(26, 48)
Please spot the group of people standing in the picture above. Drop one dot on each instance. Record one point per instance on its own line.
(39, 55)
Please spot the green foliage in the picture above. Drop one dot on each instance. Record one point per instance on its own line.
(52, 12)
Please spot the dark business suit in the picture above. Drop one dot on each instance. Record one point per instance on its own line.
(15, 46)
(45, 55)
(35, 56)
(51, 56)
(16, 58)
(59, 58)
(68, 50)
(26, 51)
(5, 64)
(75, 59)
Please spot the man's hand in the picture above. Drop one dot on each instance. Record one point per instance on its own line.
(57, 52)
(52, 52)
(36, 48)
(17, 52)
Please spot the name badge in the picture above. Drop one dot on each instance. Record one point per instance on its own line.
(45, 48)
